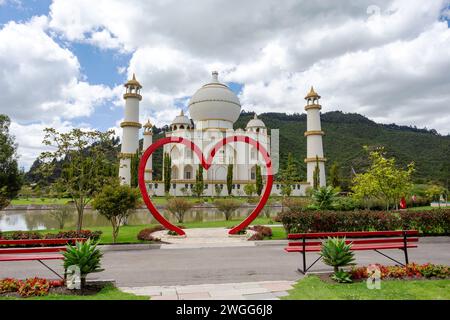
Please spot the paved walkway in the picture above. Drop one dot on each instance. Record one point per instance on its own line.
(264, 290)
(205, 238)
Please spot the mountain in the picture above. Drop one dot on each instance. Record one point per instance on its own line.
(345, 136)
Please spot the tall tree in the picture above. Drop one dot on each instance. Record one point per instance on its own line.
(199, 186)
(335, 180)
(383, 180)
(259, 181)
(85, 168)
(135, 169)
(288, 176)
(167, 172)
(230, 179)
(316, 175)
(10, 177)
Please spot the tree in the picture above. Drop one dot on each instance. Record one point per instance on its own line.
(199, 186)
(435, 193)
(115, 202)
(259, 181)
(167, 172)
(316, 175)
(61, 214)
(178, 207)
(334, 177)
(227, 207)
(135, 169)
(383, 180)
(85, 168)
(230, 178)
(249, 189)
(288, 176)
(10, 177)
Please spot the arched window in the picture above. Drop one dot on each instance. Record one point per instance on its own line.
(174, 172)
(253, 173)
(188, 172)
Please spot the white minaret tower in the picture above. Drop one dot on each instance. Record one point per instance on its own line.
(148, 140)
(131, 126)
(314, 133)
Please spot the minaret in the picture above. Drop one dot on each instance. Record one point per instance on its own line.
(131, 126)
(148, 140)
(314, 133)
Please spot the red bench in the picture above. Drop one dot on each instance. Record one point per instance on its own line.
(366, 240)
(13, 250)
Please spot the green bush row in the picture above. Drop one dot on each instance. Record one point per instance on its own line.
(432, 222)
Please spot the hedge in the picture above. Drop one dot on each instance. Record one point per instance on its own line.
(433, 222)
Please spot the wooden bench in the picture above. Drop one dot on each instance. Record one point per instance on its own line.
(366, 240)
(40, 249)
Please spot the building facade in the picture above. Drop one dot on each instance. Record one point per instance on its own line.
(214, 109)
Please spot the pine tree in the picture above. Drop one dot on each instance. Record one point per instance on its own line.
(334, 176)
(230, 178)
(135, 169)
(259, 182)
(167, 172)
(199, 186)
(288, 176)
(316, 175)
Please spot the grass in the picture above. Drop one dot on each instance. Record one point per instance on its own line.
(107, 293)
(312, 288)
(39, 201)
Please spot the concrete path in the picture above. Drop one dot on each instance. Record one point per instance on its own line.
(205, 238)
(264, 290)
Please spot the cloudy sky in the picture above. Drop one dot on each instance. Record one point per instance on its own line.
(63, 62)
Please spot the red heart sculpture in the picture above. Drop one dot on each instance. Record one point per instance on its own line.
(206, 163)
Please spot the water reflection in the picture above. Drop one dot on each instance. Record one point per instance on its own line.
(28, 220)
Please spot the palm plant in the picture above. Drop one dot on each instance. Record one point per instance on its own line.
(324, 197)
(337, 253)
(86, 256)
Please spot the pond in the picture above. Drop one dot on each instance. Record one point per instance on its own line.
(27, 220)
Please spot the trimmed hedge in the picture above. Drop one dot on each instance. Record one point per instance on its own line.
(433, 222)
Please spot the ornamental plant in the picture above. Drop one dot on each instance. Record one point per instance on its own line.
(178, 207)
(227, 207)
(337, 253)
(86, 256)
(34, 287)
(9, 285)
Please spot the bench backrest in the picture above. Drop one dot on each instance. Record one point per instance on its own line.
(354, 234)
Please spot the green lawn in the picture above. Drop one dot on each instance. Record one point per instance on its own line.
(312, 288)
(107, 293)
(128, 234)
(39, 201)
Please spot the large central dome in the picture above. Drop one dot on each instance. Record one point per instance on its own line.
(214, 102)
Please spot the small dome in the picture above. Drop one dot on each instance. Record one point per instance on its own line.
(214, 101)
(133, 82)
(312, 94)
(255, 123)
(181, 120)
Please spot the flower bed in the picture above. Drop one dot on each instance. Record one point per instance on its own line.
(434, 222)
(412, 270)
(26, 235)
(29, 287)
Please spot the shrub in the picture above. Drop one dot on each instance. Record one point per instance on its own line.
(296, 204)
(23, 235)
(34, 287)
(9, 285)
(62, 213)
(336, 253)
(178, 207)
(342, 276)
(227, 207)
(265, 231)
(346, 204)
(146, 234)
(426, 222)
(86, 256)
(324, 197)
(83, 234)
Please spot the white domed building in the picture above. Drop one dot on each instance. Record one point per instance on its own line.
(213, 109)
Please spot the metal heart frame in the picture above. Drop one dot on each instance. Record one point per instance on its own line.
(206, 163)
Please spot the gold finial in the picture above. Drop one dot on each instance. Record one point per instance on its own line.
(312, 94)
(148, 124)
(133, 82)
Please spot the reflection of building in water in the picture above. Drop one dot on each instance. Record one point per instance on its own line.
(213, 109)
